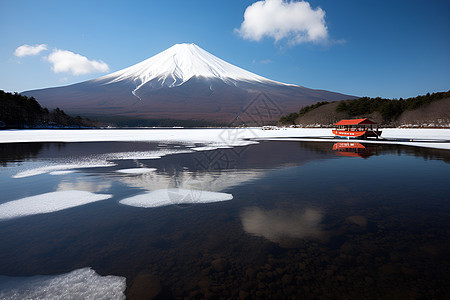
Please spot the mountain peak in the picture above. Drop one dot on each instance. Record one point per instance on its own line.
(179, 63)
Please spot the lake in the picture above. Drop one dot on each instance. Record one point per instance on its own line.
(277, 219)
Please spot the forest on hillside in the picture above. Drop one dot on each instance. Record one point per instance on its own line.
(17, 111)
(389, 109)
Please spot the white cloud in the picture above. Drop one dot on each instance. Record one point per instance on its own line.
(26, 50)
(294, 21)
(67, 61)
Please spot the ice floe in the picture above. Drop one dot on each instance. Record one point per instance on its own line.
(61, 167)
(175, 196)
(136, 170)
(62, 172)
(153, 154)
(47, 203)
(79, 284)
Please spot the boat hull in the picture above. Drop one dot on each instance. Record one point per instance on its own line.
(349, 133)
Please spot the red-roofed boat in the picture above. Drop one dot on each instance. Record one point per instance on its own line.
(361, 128)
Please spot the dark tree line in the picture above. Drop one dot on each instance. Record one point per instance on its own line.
(390, 109)
(17, 111)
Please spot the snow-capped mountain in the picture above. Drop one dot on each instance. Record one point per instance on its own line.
(183, 82)
(178, 64)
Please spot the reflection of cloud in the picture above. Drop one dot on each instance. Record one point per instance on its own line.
(275, 225)
(89, 186)
(79, 284)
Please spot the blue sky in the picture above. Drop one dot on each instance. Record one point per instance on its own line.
(371, 48)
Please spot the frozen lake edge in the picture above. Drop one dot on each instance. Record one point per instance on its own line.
(216, 137)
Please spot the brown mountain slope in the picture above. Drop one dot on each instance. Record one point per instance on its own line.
(436, 114)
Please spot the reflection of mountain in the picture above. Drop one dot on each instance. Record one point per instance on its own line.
(266, 154)
(201, 180)
(220, 169)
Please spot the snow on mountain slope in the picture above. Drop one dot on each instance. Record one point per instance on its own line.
(178, 64)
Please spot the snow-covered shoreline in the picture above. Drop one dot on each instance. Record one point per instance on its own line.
(215, 137)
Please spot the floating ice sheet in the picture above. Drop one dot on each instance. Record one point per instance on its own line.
(153, 154)
(175, 196)
(47, 203)
(62, 167)
(62, 172)
(136, 170)
(79, 284)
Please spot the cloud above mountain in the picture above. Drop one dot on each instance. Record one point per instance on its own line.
(64, 61)
(26, 50)
(295, 22)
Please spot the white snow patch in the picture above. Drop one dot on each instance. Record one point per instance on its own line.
(62, 172)
(63, 167)
(220, 137)
(175, 196)
(417, 133)
(79, 284)
(155, 154)
(136, 170)
(47, 203)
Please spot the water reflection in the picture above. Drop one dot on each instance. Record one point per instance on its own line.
(348, 239)
(351, 150)
(276, 225)
(11, 153)
(209, 181)
(80, 184)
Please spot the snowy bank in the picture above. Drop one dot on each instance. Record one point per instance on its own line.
(79, 284)
(210, 138)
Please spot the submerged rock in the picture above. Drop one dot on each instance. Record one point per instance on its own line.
(146, 286)
(219, 265)
(358, 220)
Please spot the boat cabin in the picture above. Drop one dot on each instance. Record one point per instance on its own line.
(360, 128)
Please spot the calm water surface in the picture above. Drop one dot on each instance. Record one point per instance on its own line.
(306, 221)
